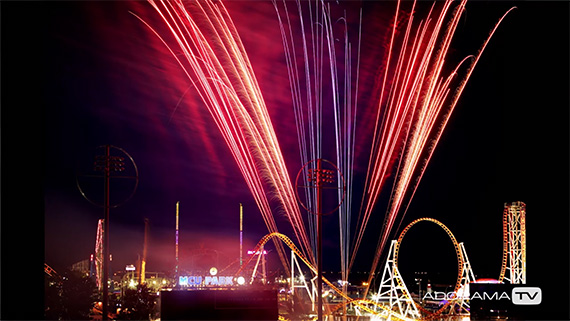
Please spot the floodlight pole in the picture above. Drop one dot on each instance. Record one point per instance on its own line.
(317, 178)
(106, 237)
(319, 182)
(107, 164)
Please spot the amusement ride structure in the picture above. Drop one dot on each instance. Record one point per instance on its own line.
(99, 255)
(514, 243)
(417, 95)
(393, 301)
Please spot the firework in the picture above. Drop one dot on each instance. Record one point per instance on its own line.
(413, 111)
(417, 97)
(321, 81)
(215, 62)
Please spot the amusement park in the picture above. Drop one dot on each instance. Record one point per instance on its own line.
(293, 160)
(249, 292)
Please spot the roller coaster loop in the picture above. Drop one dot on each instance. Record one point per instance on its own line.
(294, 248)
(364, 303)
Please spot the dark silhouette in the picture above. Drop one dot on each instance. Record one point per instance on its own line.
(69, 297)
(138, 304)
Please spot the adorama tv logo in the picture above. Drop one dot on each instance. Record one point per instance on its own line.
(526, 296)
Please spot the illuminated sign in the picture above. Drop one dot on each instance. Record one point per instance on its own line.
(190, 280)
(250, 252)
(130, 267)
(205, 281)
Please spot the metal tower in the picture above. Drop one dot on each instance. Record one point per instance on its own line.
(99, 255)
(142, 273)
(514, 243)
(460, 306)
(393, 288)
(240, 235)
(176, 244)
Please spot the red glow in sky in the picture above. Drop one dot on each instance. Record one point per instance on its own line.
(108, 80)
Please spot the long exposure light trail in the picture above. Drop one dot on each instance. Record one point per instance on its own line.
(215, 62)
(311, 95)
(417, 97)
(362, 303)
(414, 106)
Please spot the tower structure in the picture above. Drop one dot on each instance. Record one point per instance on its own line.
(145, 247)
(176, 245)
(514, 243)
(394, 290)
(99, 255)
(240, 235)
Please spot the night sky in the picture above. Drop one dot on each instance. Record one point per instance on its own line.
(77, 75)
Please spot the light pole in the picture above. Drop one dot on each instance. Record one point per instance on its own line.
(104, 166)
(107, 164)
(318, 178)
(419, 283)
(419, 279)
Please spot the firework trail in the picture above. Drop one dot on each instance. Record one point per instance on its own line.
(417, 97)
(214, 60)
(311, 94)
(417, 106)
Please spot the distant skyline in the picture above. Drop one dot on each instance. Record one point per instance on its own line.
(77, 75)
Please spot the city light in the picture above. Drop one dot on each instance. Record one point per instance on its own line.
(251, 252)
(417, 91)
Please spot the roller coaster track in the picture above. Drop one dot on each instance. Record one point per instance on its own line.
(431, 315)
(514, 243)
(50, 271)
(295, 250)
(460, 259)
(505, 244)
(364, 303)
(357, 301)
(451, 236)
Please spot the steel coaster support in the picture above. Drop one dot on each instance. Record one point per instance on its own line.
(393, 289)
(253, 274)
(296, 270)
(460, 306)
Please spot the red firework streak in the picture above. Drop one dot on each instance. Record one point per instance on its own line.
(416, 101)
(215, 62)
(411, 117)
